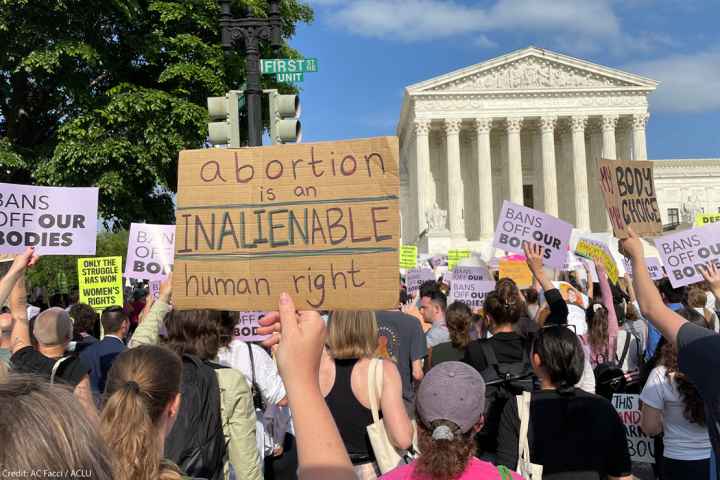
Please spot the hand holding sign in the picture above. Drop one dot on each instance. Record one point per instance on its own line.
(712, 277)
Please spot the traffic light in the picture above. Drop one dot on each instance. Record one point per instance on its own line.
(225, 111)
(284, 113)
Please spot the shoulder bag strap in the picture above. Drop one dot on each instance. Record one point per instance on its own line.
(55, 368)
(523, 404)
(252, 363)
(626, 347)
(373, 394)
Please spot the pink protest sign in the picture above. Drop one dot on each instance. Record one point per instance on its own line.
(246, 328)
(154, 286)
(685, 253)
(151, 251)
(416, 277)
(655, 269)
(470, 292)
(54, 220)
(517, 225)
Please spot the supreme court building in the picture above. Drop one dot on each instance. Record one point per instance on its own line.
(528, 127)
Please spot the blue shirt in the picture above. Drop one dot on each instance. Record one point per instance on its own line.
(654, 334)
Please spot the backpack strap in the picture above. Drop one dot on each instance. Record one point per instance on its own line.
(504, 472)
(55, 368)
(626, 347)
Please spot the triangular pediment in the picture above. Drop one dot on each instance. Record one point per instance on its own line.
(532, 69)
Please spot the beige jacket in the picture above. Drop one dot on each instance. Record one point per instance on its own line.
(236, 406)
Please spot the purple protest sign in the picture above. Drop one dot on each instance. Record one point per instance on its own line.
(518, 224)
(246, 328)
(154, 286)
(151, 251)
(54, 220)
(685, 253)
(470, 292)
(471, 273)
(655, 269)
(416, 277)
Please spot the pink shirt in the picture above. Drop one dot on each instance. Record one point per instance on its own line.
(476, 469)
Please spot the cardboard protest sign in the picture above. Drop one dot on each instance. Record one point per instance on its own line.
(471, 273)
(319, 221)
(100, 282)
(600, 253)
(630, 198)
(454, 257)
(518, 225)
(470, 292)
(54, 220)
(655, 270)
(640, 446)
(516, 270)
(702, 219)
(685, 253)
(246, 328)
(408, 256)
(151, 251)
(416, 277)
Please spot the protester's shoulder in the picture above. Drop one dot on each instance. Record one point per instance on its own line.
(403, 472)
(29, 360)
(484, 470)
(595, 403)
(232, 381)
(690, 332)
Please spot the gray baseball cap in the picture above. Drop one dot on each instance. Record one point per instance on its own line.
(452, 391)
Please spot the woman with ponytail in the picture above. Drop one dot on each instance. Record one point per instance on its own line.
(571, 433)
(142, 399)
(450, 404)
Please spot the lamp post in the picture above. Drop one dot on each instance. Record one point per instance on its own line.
(251, 31)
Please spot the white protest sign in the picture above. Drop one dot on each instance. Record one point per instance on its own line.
(54, 220)
(640, 446)
(471, 273)
(151, 251)
(416, 277)
(685, 253)
(470, 292)
(517, 225)
(653, 265)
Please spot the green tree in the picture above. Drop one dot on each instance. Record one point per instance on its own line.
(107, 92)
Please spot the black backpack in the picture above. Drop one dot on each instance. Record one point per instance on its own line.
(609, 376)
(502, 383)
(196, 443)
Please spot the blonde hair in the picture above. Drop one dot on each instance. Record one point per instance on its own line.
(141, 384)
(352, 334)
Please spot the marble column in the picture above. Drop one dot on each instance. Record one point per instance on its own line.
(485, 184)
(454, 179)
(422, 165)
(609, 122)
(582, 204)
(549, 170)
(515, 175)
(639, 120)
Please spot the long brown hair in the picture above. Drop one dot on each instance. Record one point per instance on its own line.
(458, 320)
(44, 426)
(141, 384)
(597, 322)
(444, 459)
(198, 332)
(693, 406)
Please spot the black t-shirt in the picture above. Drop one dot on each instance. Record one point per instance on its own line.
(445, 352)
(508, 348)
(581, 433)
(404, 341)
(698, 359)
(28, 360)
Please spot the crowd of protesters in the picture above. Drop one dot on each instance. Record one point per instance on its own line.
(519, 388)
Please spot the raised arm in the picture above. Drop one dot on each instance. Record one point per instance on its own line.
(20, 336)
(712, 277)
(648, 297)
(148, 331)
(607, 300)
(558, 306)
(17, 269)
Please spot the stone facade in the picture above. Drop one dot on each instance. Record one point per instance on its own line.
(528, 127)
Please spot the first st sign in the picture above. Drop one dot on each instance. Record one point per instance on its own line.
(288, 69)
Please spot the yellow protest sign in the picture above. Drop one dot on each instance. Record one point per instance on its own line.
(516, 270)
(454, 257)
(702, 219)
(100, 282)
(319, 221)
(630, 198)
(600, 253)
(408, 256)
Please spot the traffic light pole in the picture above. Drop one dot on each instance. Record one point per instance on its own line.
(251, 31)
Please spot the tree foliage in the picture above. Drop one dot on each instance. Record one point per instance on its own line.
(107, 92)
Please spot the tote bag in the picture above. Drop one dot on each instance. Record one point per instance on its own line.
(525, 467)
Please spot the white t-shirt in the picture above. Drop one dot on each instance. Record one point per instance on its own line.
(576, 317)
(683, 440)
(267, 378)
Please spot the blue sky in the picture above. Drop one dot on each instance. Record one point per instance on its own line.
(369, 50)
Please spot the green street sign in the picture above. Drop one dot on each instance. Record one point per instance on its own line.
(273, 66)
(290, 77)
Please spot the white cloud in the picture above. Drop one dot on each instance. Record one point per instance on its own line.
(690, 82)
(483, 41)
